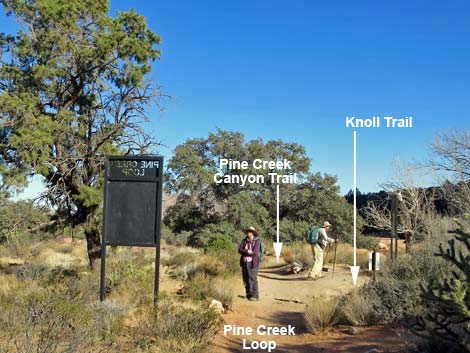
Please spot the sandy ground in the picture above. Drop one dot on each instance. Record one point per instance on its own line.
(282, 302)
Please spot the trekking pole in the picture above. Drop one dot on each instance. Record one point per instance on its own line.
(334, 258)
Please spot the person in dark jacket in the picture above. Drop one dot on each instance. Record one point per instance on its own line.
(249, 250)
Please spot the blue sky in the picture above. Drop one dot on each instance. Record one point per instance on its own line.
(295, 69)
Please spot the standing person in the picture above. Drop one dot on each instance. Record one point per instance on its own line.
(249, 250)
(317, 249)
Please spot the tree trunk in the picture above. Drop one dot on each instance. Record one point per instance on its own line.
(93, 243)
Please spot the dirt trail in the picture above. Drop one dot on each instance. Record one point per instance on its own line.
(282, 302)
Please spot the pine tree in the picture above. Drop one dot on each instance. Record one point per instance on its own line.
(74, 87)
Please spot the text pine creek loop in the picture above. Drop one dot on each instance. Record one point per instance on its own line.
(261, 330)
(279, 172)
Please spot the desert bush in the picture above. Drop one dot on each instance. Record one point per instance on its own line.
(222, 289)
(198, 287)
(231, 260)
(182, 258)
(108, 317)
(31, 271)
(321, 313)
(20, 220)
(205, 288)
(299, 252)
(208, 265)
(178, 329)
(396, 296)
(214, 263)
(447, 298)
(356, 309)
(42, 321)
(367, 242)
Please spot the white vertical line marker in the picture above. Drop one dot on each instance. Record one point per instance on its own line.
(355, 268)
(354, 191)
(277, 245)
(277, 213)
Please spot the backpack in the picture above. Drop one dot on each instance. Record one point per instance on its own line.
(312, 235)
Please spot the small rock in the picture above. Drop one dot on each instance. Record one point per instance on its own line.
(217, 306)
(353, 330)
(296, 267)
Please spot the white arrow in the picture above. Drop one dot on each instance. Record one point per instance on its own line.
(277, 245)
(355, 268)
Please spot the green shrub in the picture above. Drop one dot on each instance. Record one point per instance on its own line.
(294, 231)
(220, 242)
(204, 235)
(321, 313)
(367, 242)
(20, 220)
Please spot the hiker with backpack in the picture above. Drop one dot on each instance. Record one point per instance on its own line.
(250, 251)
(319, 240)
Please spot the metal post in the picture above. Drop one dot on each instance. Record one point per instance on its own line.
(396, 246)
(374, 263)
(394, 223)
(103, 237)
(103, 269)
(157, 275)
(158, 222)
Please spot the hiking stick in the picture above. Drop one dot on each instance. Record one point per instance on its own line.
(334, 258)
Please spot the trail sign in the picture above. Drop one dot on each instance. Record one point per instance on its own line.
(132, 206)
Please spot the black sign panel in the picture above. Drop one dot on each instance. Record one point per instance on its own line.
(133, 200)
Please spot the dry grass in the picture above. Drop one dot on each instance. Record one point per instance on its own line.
(356, 309)
(321, 313)
(56, 284)
(301, 253)
(345, 255)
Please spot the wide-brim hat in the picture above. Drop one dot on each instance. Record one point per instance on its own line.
(327, 224)
(251, 229)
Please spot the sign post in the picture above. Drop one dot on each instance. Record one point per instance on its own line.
(394, 223)
(132, 207)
